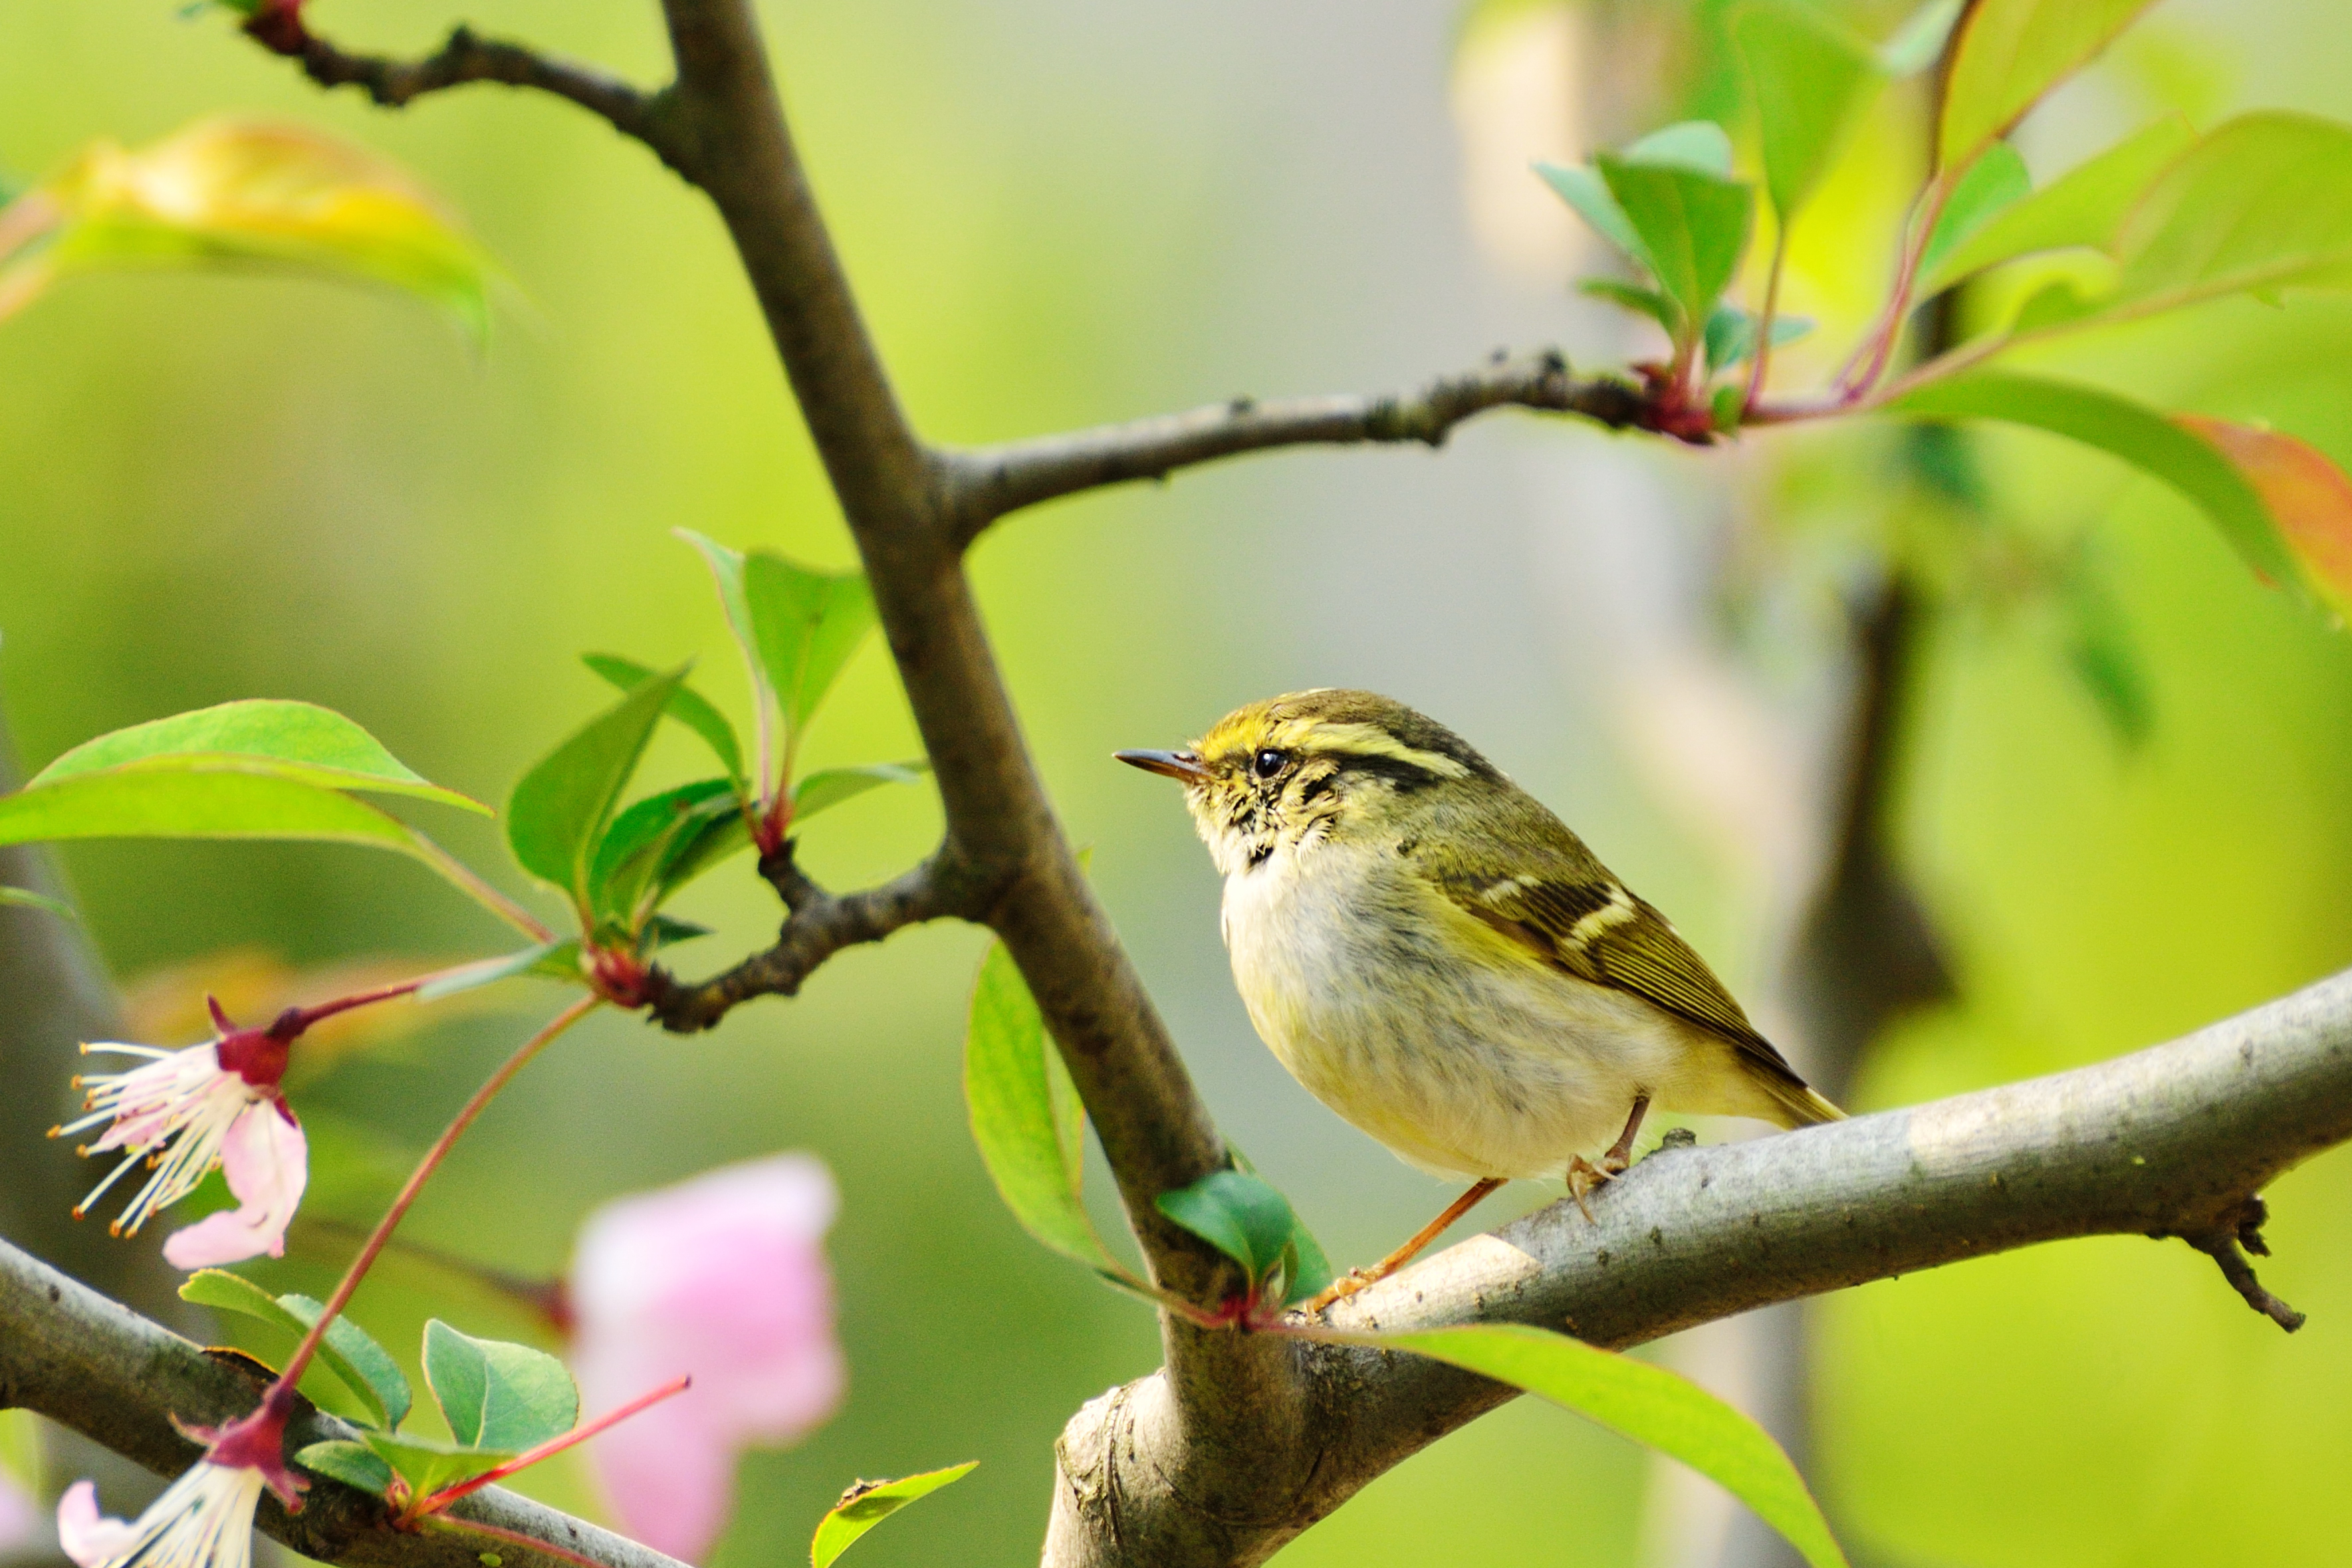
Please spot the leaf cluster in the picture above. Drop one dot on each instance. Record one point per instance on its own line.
(500, 1401)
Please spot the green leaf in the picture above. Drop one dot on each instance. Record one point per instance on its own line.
(243, 770)
(1918, 43)
(727, 575)
(227, 192)
(353, 1464)
(1992, 184)
(429, 1465)
(1240, 1215)
(1700, 145)
(1027, 1116)
(2264, 203)
(191, 799)
(1309, 1269)
(808, 623)
(662, 931)
(869, 1503)
(1587, 193)
(2010, 54)
(2137, 435)
(2082, 207)
(298, 741)
(1648, 1404)
(25, 898)
(829, 787)
(685, 705)
(557, 813)
(719, 838)
(348, 1349)
(558, 960)
(638, 847)
(1809, 77)
(1634, 298)
(357, 1361)
(1693, 225)
(1731, 335)
(495, 1394)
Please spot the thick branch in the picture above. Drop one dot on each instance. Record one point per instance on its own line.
(118, 1378)
(465, 58)
(2173, 1141)
(988, 482)
(1000, 827)
(819, 926)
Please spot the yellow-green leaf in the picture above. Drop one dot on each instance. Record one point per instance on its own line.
(2308, 497)
(1025, 1114)
(2008, 54)
(294, 740)
(1809, 77)
(244, 192)
(1648, 1404)
(2137, 435)
(2082, 207)
(869, 1503)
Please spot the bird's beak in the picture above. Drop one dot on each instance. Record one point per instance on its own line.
(1184, 767)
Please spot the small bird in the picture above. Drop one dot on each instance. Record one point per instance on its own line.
(1440, 960)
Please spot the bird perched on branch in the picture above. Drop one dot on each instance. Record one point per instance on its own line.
(1440, 960)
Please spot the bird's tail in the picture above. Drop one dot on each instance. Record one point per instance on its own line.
(1800, 1104)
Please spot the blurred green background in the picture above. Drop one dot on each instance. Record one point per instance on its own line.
(1060, 212)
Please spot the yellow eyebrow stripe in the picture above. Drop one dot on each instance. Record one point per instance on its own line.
(1360, 740)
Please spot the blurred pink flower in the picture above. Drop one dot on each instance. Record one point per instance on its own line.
(86, 1535)
(20, 1516)
(184, 1111)
(723, 1277)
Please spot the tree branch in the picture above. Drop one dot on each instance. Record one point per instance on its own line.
(464, 57)
(80, 1359)
(1001, 828)
(988, 482)
(819, 924)
(2173, 1141)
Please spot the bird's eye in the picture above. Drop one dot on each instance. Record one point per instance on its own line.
(1268, 763)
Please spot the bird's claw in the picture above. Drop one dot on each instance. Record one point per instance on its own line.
(1339, 1290)
(1585, 1178)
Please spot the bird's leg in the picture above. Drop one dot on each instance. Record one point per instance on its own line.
(1620, 1157)
(1355, 1279)
(1584, 1177)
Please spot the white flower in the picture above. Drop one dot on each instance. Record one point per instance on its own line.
(204, 1520)
(179, 1113)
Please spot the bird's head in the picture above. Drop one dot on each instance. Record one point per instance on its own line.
(1294, 771)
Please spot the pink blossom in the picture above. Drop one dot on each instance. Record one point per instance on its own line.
(179, 1113)
(87, 1536)
(20, 1516)
(723, 1277)
(267, 1161)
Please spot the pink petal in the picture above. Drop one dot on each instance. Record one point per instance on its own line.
(86, 1535)
(266, 1162)
(670, 1481)
(723, 1277)
(20, 1517)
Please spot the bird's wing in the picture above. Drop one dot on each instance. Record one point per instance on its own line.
(1533, 880)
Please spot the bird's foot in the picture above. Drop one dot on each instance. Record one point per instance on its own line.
(1585, 1178)
(1340, 1289)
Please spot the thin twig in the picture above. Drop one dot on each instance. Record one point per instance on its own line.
(464, 57)
(985, 483)
(820, 925)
